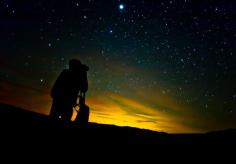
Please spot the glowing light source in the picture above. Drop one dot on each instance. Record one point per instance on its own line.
(121, 7)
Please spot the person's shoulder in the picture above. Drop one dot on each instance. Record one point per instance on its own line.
(65, 72)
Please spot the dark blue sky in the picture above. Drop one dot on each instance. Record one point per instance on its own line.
(175, 58)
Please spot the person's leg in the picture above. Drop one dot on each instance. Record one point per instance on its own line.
(67, 111)
(55, 110)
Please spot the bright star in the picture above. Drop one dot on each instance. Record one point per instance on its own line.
(121, 7)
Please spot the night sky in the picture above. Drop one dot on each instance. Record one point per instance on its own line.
(165, 65)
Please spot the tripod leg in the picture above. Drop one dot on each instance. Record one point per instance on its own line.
(82, 98)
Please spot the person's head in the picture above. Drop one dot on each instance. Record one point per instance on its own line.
(74, 64)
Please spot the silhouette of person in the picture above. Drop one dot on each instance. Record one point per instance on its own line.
(70, 83)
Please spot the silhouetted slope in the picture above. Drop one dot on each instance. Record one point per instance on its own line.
(20, 122)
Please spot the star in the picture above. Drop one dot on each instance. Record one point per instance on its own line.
(121, 7)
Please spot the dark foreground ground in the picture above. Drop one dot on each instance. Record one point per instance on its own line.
(18, 125)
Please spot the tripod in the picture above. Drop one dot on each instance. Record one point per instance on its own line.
(83, 112)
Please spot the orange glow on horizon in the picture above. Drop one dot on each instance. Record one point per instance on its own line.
(110, 109)
(121, 111)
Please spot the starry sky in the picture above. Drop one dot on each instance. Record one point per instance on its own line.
(164, 65)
